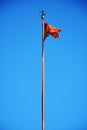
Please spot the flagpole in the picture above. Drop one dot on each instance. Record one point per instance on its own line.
(43, 102)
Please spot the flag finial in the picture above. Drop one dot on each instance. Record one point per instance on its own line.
(42, 14)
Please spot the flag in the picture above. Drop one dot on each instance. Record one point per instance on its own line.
(48, 29)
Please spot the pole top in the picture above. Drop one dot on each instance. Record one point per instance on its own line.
(42, 14)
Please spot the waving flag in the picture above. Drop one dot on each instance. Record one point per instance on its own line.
(48, 29)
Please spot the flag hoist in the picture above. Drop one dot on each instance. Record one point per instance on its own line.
(47, 30)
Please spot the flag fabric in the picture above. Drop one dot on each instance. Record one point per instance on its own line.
(48, 29)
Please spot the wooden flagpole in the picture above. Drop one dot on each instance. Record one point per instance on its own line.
(43, 119)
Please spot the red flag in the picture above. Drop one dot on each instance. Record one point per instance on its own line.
(48, 29)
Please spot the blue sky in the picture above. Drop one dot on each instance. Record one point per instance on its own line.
(65, 65)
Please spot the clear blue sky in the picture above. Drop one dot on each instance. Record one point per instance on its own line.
(65, 65)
